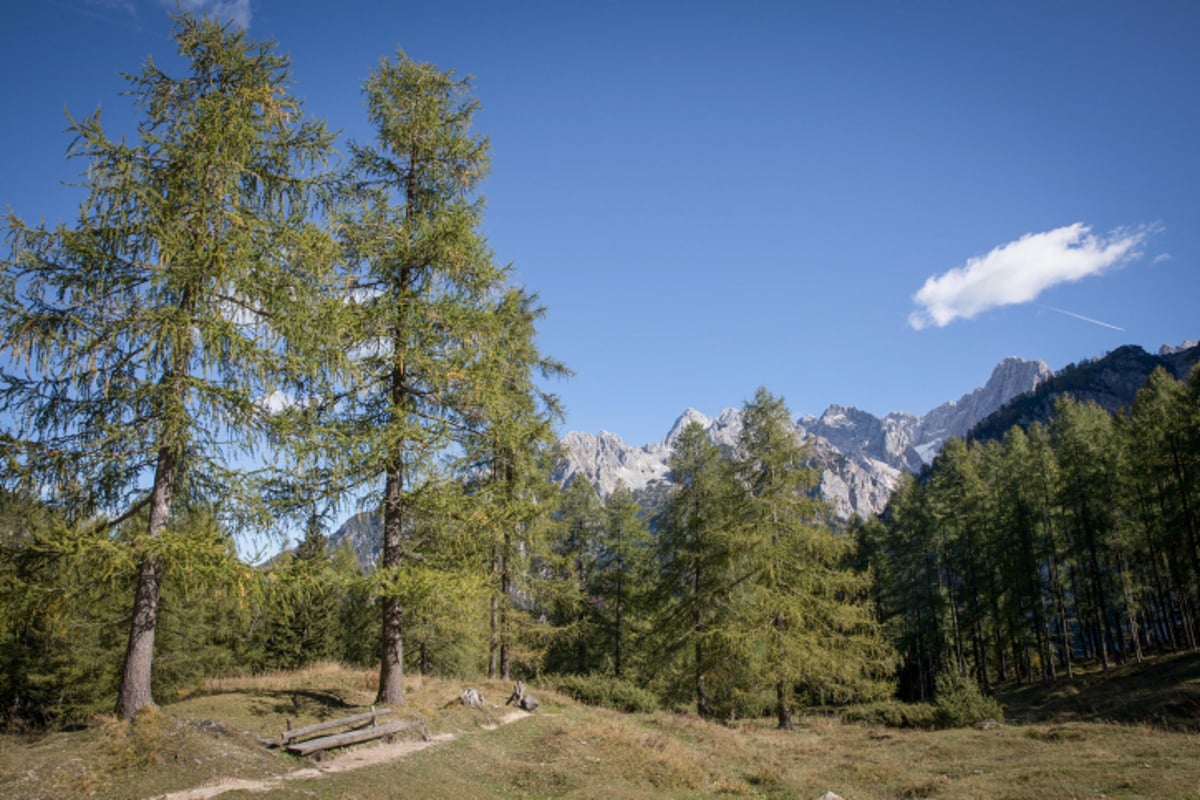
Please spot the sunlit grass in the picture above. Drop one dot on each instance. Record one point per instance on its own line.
(570, 750)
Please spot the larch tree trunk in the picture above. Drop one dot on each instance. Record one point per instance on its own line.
(505, 588)
(782, 710)
(494, 619)
(391, 667)
(135, 690)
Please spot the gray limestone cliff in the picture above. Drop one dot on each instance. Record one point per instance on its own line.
(860, 456)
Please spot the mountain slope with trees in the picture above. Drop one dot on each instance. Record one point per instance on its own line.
(1072, 540)
(1111, 381)
(859, 458)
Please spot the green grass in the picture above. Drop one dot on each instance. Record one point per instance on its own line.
(1056, 745)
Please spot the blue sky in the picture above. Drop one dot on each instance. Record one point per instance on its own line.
(858, 203)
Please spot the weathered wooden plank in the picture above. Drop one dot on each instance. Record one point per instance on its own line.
(333, 723)
(353, 737)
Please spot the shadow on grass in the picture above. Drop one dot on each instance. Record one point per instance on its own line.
(1163, 691)
(298, 703)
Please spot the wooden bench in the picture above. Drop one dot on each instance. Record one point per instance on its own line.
(363, 728)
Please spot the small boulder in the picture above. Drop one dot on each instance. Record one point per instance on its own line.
(471, 698)
(523, 701)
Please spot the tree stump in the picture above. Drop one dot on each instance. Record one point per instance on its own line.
(523, 701)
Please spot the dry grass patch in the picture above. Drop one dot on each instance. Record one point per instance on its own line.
(155, 753)
(332, 676)
(264, 704)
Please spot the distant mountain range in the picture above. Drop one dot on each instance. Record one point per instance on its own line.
(860, 457)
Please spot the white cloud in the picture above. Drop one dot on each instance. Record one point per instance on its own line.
(223, 10)
(1019, 271)
(1162, 258)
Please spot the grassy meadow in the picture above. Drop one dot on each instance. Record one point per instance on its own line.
(1128, 733)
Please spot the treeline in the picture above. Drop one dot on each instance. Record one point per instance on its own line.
(741, 602)
(1078, 539)
(64, 612)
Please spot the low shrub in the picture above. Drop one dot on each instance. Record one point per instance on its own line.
(892, 714)
(601, 690)
(960, 704)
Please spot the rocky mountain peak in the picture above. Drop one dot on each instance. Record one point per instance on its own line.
(859, 455)
(838, 416)
(1014, 376)
(1172, 350)
(686, 418)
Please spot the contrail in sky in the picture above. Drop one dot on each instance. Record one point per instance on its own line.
(101, 13)
(1082, 317)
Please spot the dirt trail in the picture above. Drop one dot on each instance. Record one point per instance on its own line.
(351, 760)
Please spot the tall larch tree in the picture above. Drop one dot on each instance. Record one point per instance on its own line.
(625, 571)
(807, 613)
(511, 432)
(957, 502)
(144, 337)
(1163, 446)
(1085, 443)
(702, 564)
(422, 294)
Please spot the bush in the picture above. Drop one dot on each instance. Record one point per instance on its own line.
(960, 704)
(601, 690)
(892, 714)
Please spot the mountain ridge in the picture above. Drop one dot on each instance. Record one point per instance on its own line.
(860, 457)
(1111, 381)
(859, 476)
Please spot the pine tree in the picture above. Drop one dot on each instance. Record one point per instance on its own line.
(59, 648)
(301, 623)
(150, 331)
